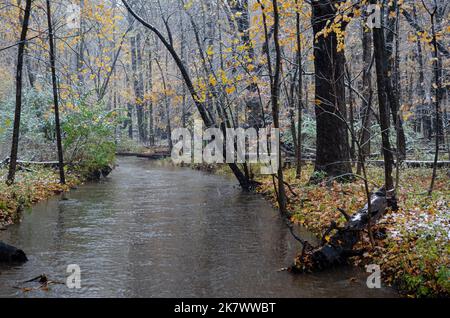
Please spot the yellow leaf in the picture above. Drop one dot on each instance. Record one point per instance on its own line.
(230, 89)
(210, 51)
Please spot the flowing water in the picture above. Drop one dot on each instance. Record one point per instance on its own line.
(155, 231)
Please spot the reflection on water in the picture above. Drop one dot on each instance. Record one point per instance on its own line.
(154, 231)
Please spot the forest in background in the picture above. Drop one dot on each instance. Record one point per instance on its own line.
(101, 77)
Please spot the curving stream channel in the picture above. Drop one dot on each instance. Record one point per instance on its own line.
(155, 231)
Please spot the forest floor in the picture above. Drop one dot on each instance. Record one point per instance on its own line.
(414, 256)
(31, 186)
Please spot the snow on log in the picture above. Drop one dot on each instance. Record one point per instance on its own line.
(339, 247)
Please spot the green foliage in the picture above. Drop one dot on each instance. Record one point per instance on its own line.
(318, 175)
(37, 129)
(89, 137)
(308, 133)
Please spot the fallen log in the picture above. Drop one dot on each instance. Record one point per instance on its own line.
(290, 162)
(414, 163)
(339, 247)
(152, 156)
(10, 255)
(50, 164)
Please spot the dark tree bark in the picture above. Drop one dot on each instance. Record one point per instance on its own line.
(18, 107)
(28, 61)
(62, 177)
(384, 87)
(138, 84)
(438, 93)
(275, 93)
(332, 154)
(351, 117)
(166, 104)
(394, 76)
(184, 112)
(151, 129)
(130, 120)
(423, 119)
(298, 150)
(367, 93)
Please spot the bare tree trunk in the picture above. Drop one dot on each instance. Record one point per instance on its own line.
(18, 108)
(351, 114)
(275, 92)
(27, 61)
(62, 177)
(80, 53)
(392, 66)
(130, 120)
(424, 120)
(183, 89)
(383, 84)
(151, 125)
(332, 155)
(367, 93)
(437, 89)
(166, 104)
(138, 84)
(298, 151)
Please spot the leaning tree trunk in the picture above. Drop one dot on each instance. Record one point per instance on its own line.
(18, 109)
(332, 156)
(244, 182)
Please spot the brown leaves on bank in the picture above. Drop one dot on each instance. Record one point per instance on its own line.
(30, 187)
(412, 244)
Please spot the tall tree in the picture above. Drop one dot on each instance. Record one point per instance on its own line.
(392, 30)
(62, 177)
(384, 87)
(437, 89)
(332, 155)
(138, 84)
(18, 106)
(367, 93)
(275, 93)
(298, 150)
